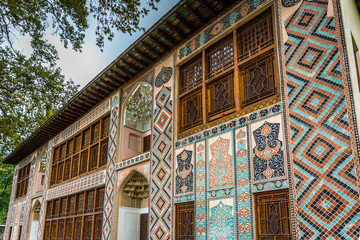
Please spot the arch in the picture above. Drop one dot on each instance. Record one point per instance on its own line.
(133, 206)
(34, 219)
(135, 136)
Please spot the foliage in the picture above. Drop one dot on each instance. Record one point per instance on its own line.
(32, 87)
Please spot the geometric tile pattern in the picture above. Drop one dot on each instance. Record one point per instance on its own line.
(161, 162)
(132, 161)
(26, 207)
(239, 122)
(327, 197)
(110, 168)
(230, 19)
(243, 184)
(269, 186)
(44, 191)
(79, 185)
(200, 202)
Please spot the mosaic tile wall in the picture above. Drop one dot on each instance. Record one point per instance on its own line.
(327, 196)
(224, 166)
(79, 185)
(110, 168)
(161, 165)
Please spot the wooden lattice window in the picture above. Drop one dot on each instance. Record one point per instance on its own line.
(78, 216)
(80, 154)
(221, 95)
(273, 216)
(191, 110)
(185, 226)
(258, 79)
(255, 36)
(191, 74)
(220, 57)
(23, 181)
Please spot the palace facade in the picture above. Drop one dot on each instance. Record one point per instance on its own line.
(225, 120)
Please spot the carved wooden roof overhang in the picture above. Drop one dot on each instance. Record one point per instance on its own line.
(185, 19)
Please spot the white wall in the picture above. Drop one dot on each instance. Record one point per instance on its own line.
(351, 20)
(129, 223)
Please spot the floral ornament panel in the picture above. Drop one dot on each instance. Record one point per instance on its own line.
(184, 170)
(221, 219)
(200, 205)
(267, 150)
(221, 161)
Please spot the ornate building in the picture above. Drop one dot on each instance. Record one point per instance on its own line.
(225, 120)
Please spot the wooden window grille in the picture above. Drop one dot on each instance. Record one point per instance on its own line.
(53, 230)
(191, 110)
(68, 228)
(10, 233)
(60, 229)
(77, 144)
(94, 157)
(80, 154)
(258, 79)
(79, 216)
(78, 228)
(98, 226)
(22, 181)
(103, 152)
(255, 36)
(185, 227)
(105, 127)
(221, 95)
(62, 152)
(220, 58)
(191, 75)
(47, 230)
(60, 172)
(273, 216)
(67, 169)
(70, 148)
(83, 161)
(95, 133)
(87, 227)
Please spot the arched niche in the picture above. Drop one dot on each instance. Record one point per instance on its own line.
(34, 220)
(133, 205)
(136, 121)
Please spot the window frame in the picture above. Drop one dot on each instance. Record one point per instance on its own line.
(257, 211)
(22, 183)
(66, 215)
(79, 154)
(239, 107)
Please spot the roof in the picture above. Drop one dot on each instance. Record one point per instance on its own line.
(179, 24)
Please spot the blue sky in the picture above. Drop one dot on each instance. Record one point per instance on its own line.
(83, 67)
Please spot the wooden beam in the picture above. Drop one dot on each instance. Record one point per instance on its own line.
(196, 15)
(176, 31)
(136, 61)
(143, 55)
(205, 5)
(164, 35)
(159, 44)
(150, 50)
(130, 66)
(105, 88)
(184, 22)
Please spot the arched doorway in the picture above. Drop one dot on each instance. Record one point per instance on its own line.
(133, 208)
(35, 216)
(136, 129)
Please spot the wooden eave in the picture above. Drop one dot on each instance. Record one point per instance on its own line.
(173, 28)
